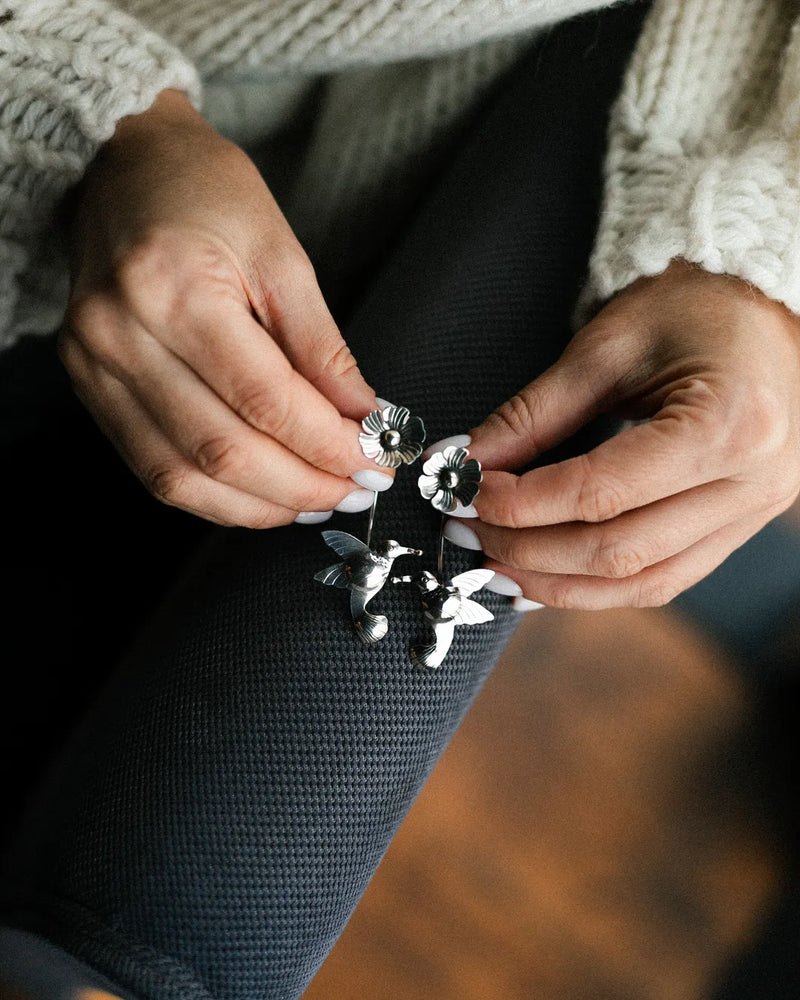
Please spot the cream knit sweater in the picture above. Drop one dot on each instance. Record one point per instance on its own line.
(704, 158)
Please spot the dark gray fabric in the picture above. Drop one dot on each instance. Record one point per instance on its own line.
(220, 810)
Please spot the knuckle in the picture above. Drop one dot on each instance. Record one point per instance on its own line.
(506, 507)
(763, 428)
(153, 254)
(616, 560)
(561, 595)
(169, 485)
(509, 547)
(91, 320)
(338, 363)
(219, 458)
(167, 279)
(262, 407)
(517, 415)
(598, 499)
(657, 592)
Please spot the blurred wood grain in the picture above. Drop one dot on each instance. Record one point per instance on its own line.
(599, 829)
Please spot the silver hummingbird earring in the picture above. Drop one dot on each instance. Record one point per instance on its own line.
(391, 437)
(448, 477)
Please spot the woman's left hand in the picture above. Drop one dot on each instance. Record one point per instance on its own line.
(711, 368)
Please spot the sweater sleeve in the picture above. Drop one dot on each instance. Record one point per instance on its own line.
(704, 150)
(69, 71)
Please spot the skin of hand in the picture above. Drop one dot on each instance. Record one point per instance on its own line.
(196, 333)
(707, 368)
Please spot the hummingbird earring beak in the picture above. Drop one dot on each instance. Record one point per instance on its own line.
(391, 437)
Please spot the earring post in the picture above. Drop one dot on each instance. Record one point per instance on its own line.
(440, 552)
(371, 521)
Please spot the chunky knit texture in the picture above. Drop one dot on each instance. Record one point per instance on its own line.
(703, 151)
(704, 158)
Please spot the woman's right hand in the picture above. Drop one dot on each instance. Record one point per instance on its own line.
(197, 336)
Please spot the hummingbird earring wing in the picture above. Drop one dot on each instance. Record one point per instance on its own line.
(390, 437)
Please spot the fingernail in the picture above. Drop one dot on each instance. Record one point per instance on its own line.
(501, 584)
(459, 534)
(456, 441)
(462, 511)
(383, 403)
(312, 516)
(523, 604)
(356, 501)
(373, 480)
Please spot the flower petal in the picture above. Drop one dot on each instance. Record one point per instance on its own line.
(396, 416)
(466, 492)
(374, 423)
(409, 452)
(455, 456)
(435, 463)
(428, 486)
(444, 501)
(414, 431)
(470, 472)
(390, 459)
(371, 446)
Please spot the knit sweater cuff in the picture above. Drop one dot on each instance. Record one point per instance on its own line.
(732, 213)
(69, 71)
(704, 150)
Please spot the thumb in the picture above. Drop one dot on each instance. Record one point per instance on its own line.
(576, 389)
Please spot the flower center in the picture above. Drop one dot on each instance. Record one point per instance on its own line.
(449, 478)
(391, 439)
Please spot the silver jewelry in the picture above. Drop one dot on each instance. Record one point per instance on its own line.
(446, 605)
(391, 437)
(448, 476)
(363, 571)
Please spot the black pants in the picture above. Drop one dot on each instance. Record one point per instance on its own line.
(215, 817)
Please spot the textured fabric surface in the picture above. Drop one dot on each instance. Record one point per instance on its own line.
(220, 810)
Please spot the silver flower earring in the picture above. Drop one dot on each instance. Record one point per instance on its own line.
(391, 437)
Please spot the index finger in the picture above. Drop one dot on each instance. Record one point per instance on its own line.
(639, 466)
(237, 358)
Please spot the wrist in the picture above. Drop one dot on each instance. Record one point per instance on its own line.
(171, 109)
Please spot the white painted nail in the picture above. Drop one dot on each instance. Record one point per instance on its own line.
(371, 479)
(312, 516)
(501, 584)
(459, 534)
(383, 403)
(356, 501)
(462, 511)
(523, 604)
(456, 441)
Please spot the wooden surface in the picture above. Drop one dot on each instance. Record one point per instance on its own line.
(599, 829)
